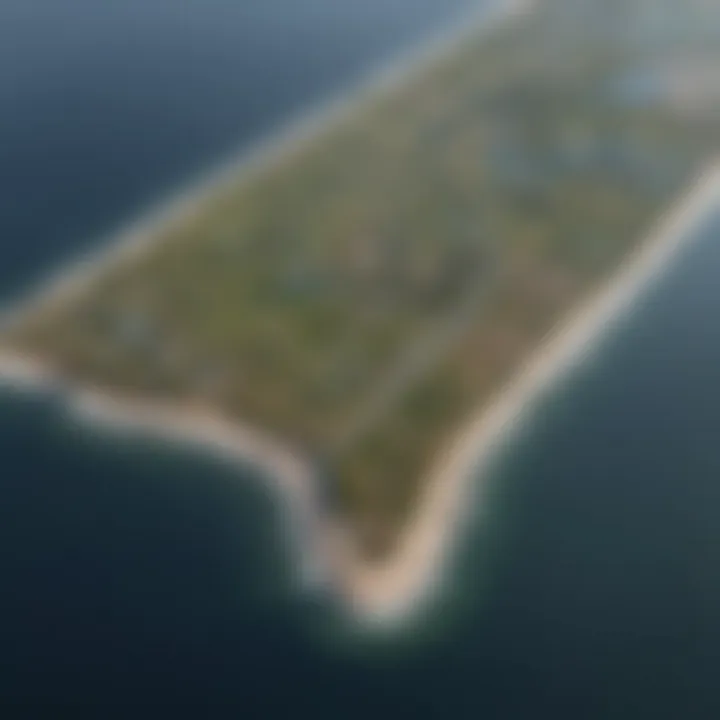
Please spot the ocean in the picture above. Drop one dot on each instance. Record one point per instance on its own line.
(134, 573)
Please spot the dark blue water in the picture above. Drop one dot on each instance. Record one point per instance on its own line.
(132, 574)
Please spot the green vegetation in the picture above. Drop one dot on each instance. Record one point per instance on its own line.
(361, 295)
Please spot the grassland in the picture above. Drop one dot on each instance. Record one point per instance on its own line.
(359, 296)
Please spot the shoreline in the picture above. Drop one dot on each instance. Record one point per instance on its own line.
(321, 545)
(182, 203)
(415, 570)
(289, 475)
(393, 590)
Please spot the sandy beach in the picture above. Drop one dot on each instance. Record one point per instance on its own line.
(184, 203)
(322, 555)
(290, 476)
(391, 591)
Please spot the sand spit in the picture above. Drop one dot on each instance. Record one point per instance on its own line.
(390, 592)
(321, 546)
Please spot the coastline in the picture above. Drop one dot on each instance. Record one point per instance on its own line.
(321, 545)
(393, 590)
(414, 573)
(183, 203)
(291, 477)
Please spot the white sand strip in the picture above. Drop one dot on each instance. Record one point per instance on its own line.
(291, 476)
(320, 544)
(186, 203)
(391, 591)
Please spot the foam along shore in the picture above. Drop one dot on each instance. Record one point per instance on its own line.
(392, 591)
(186, 203)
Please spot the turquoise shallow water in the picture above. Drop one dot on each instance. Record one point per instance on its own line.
(133, 573)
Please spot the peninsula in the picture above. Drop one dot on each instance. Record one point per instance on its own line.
(342, 313)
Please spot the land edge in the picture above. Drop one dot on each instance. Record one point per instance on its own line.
(185, 203)
(391, 591)
(197, 425)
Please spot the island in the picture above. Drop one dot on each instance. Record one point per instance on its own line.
(356, 300)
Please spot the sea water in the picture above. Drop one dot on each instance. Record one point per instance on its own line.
(132, 572)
